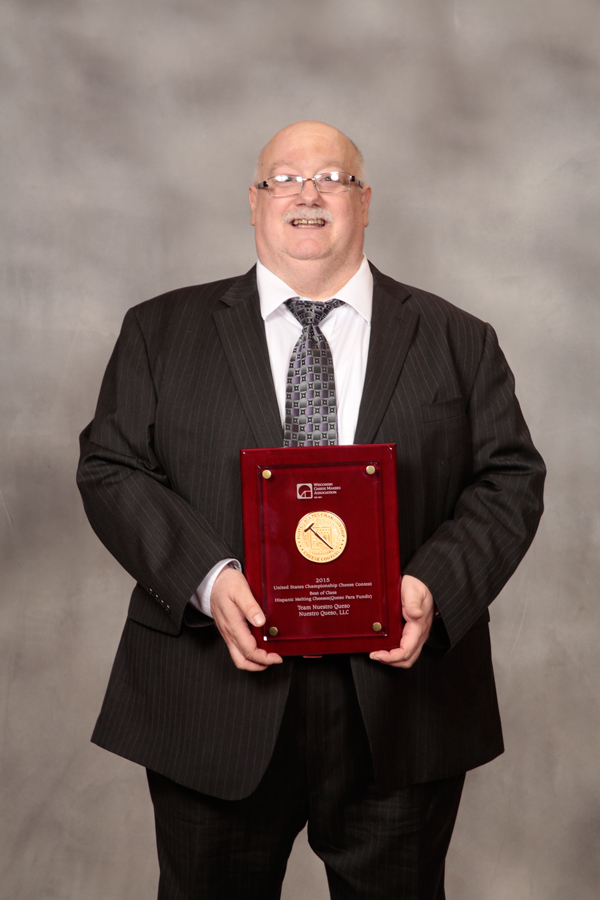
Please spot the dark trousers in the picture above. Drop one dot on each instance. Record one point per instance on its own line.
(374, 845)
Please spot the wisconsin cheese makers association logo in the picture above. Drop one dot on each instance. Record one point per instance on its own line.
(304, 491)
(321, 536)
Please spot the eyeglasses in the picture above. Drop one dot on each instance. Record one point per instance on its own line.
(325, 183)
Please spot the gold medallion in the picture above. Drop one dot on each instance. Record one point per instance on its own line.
(321, 536)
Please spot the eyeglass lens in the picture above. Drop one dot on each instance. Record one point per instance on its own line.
(327, 183)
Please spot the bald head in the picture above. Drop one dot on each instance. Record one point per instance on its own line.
(317, 134)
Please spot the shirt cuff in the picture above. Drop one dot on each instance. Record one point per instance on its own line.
(201, 596)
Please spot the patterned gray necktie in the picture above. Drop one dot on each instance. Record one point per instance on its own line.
(310, 404)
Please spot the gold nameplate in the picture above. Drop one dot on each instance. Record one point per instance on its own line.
(321, 536)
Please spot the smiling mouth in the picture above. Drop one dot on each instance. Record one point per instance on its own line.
(308, 223)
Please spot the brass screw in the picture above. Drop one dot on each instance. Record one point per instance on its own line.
(377, 626)
(275, 631)
(266, 474)
(370, 470)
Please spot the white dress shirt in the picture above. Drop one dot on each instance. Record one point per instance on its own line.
(347, 329)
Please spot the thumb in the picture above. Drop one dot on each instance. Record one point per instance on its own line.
(412, 609)
(412, 598)
(232, 587)
(246, 602)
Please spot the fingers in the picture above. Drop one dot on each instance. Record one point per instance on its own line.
(404, 656)
(417, 611)
(255, 661)
(233, 606)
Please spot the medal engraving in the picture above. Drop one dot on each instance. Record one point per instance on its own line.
(321, 536)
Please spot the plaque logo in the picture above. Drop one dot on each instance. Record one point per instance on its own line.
(321, 536)
(304, 491)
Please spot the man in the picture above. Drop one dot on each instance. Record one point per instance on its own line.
(243, 748)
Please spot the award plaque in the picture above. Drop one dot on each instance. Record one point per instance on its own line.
(321, 547)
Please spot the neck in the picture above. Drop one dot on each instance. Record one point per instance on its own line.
(314, 278)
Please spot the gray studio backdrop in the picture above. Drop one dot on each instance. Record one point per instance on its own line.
(129, 132)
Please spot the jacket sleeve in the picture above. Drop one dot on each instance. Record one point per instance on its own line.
(470, 557)
(158, 537)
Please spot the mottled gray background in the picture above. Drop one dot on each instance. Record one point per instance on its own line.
(128, 132)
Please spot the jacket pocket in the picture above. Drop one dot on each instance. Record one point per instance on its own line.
(444, 409)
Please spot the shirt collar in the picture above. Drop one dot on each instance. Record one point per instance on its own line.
(358, 292)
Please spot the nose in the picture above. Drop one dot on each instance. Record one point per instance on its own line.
(309, 192)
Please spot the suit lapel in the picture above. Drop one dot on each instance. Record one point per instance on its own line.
(392, 327)
(242, 333)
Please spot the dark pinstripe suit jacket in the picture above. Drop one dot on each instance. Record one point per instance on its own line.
(188, 385)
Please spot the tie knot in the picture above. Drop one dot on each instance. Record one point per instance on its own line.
(310, 312)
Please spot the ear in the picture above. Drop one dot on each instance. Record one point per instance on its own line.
(365, 199)
(253, 198)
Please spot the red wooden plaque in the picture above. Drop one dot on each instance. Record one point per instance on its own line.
(321, 547)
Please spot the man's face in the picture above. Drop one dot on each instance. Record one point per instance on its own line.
(309, 226)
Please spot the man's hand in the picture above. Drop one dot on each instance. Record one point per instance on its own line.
(417, 612)
(233, 606)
